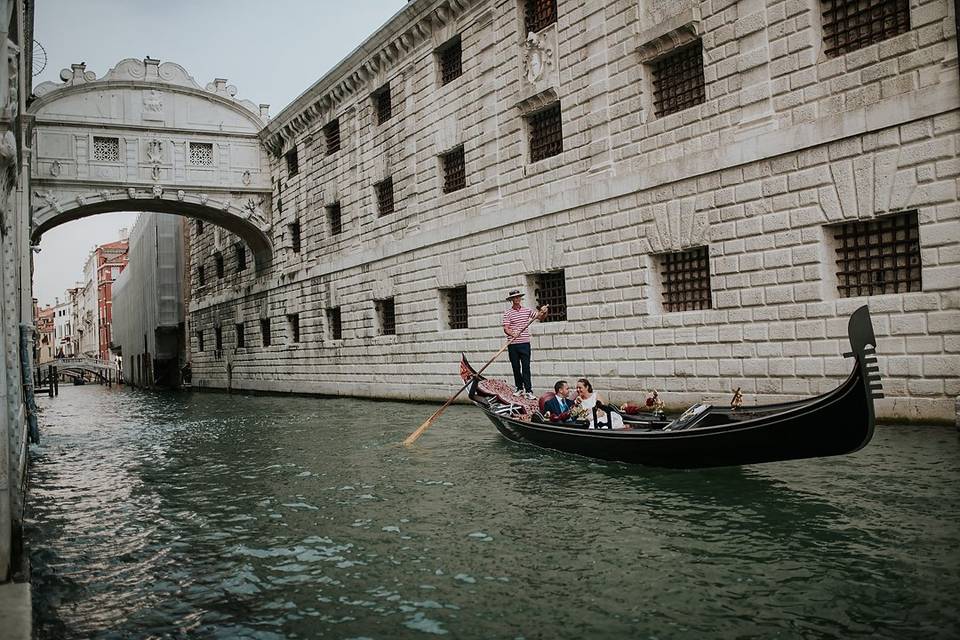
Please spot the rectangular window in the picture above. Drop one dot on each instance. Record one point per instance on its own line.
(294, 229)
(331, 136)
(106, 149)
(201, 154)
(539, 14)
(546, 133)
(551, 288)
(878, 256)
(218, 338)
(199, 227)
(386, 314)
(450, 59)
(685, 279)
(200, 341)
(293, 163)
(293, 327)
(335, 217)
(201, 275)
(334, 325)
(384, 190)
(678, 80)
(455, 301)
(382, 104)
(241, 256)
(849, 25)
(454, 171)
(218, 261)
(238, 331)
(265, 332)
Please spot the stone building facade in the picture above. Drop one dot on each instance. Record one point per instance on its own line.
(704, 191)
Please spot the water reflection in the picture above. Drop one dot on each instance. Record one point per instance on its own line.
(225, 516)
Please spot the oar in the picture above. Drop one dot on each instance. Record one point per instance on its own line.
(542, 311)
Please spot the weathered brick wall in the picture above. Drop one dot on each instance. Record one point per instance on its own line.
(787, 141)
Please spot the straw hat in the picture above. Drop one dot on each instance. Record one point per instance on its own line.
(514, 293)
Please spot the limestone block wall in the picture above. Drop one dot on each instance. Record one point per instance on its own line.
(786, 142)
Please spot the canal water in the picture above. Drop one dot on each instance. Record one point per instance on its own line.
(214, 516)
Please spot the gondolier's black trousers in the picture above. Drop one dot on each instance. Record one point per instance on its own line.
(520, 361)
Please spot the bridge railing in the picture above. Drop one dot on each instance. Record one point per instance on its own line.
(82, 363)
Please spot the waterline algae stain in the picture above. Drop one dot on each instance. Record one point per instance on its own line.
(208, 515)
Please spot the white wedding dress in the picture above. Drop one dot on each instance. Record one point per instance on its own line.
(615, 420)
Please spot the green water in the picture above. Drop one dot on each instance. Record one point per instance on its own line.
(213, 516)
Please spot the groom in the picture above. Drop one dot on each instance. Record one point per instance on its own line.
(558, 406)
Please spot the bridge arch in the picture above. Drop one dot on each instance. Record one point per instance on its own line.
(148, 137)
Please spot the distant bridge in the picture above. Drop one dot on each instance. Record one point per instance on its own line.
(76, 365)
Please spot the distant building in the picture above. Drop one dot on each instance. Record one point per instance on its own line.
(46, 334)
(63, 327)
(148, 310)
(103, 266)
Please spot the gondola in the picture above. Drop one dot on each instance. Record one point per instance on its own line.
(835, 423)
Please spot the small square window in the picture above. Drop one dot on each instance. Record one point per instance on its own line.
(106, 149)
(678, 80)
(241, 252)
(685, 280)
(878, 256)
(331, 136)
(382, 104)
(294, 229)
(293, 162)
(334, 325)
(450, 59)
(386, 315)
(455, 305)
(265, 336)
(849, 25)
(384, 189)
(293, 327)
(551, 288)
(201, 154)
(335, 217)
(200, 341)
(539, 14)
(546, 133)
(218, 261)
(238, 331)
(201, 275)
(454, 171)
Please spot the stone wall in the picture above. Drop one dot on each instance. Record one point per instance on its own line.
(787, 141)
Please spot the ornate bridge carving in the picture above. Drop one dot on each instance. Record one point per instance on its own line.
(147, 137)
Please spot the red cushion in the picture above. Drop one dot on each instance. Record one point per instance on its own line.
(545, 398)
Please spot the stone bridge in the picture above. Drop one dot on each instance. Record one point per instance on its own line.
(147, 137)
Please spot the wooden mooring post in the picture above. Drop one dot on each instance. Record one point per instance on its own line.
(56, 380)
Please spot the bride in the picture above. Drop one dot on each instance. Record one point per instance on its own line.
(587, 399)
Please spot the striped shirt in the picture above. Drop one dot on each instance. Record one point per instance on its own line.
(515, 320)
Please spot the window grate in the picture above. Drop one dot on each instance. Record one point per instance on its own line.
(294, 229)
(238, 332)
(386, 311)
(106, 149)
(334, 324)
(849, 25)
(241, 256)
(335, 216)
(265, 336)
(200, 341)
(451, 61)
(685, 276)
(293, 327)
(331, 134)
(201, 275)
(384, 190)
(878, 256)
(457, 313)
(454, 171)
(218, 263)
(539, 14)
(201, 154)
(678, 80)
(546, 133)
(551, 289)
(218, 338)
(382, 104)
(293, 163)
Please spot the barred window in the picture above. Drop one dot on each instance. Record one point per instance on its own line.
(678, 80)
(546, 133)
(382, 105)
(106, 149)
(685, 280)
(293, 162)
(334, 325)
(293, 327)
(201, 275)
(386, 314)
(335, 216)
(265, 336)
(455, 301)
(878, 256)
(200, 341)
(218, 338)
(849, 25)
(539, 14)
(294, 230)
(454, 171)
(331, 135)
(238, 332)
(218, 263)
(241, 256)
(450, 57)
(201, 154)
(384, 190)
(551, 288)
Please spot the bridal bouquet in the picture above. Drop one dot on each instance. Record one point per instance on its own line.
(578, 412)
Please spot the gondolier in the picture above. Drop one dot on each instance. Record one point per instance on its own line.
(516, 325)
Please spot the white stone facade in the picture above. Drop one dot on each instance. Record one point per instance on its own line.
(787, 141)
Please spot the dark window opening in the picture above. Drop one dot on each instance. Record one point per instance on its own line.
(450, 56)
(678, 80)
(335, 216)
(218, 263)
(386, 312)
(539, 14)
(201, 275)
(331, 135)
(200, 341)
(218, 339)
(456, 303)
(293, 163)
(265, 332)
(551, 289)
(293, 327)
(199, 227)
(241, 256)
(385, 204)
(546, 133)
(454, 170)
(685, 279)
(382, 104)
(849, 25)
(294, 229)
(238, 328)
(334, 325)
(878, 256)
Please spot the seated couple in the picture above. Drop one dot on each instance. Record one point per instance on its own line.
(560, 409)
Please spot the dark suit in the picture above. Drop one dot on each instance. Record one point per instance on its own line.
(559, 409)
